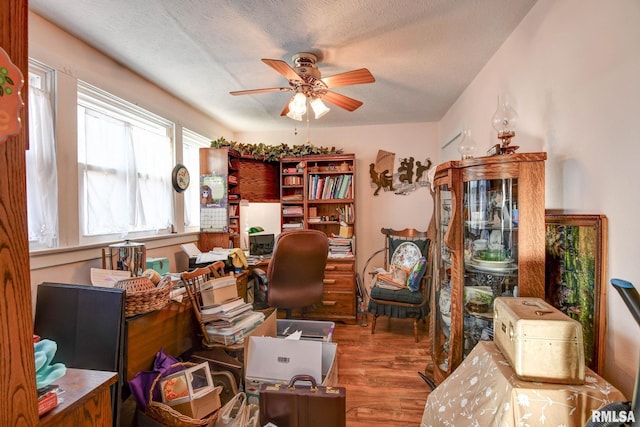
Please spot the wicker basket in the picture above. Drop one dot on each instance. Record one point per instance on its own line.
(167, 416)
(142, 296)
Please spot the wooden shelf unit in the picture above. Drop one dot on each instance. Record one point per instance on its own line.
(248, 178)
(318, 192)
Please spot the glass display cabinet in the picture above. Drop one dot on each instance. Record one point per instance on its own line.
(490, 242)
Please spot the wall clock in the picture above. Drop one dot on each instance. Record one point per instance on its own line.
(180, 178)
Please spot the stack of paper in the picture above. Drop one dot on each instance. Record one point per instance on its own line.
(236, 329)
(228, 323)
(340, 247)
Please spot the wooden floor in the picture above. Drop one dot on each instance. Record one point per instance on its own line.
(380, 372)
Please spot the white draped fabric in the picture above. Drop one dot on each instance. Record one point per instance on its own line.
(125, 173)
(42, 176)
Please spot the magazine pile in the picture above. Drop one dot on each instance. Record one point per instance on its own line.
(230, 320)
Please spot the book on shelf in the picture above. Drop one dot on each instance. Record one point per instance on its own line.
(292, 210)
(340, 241)
(292, 180)
(292, 225)
(291, 197)
(329, 187)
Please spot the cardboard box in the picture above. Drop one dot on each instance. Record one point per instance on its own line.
(201, 405)
(219, 290)
(346, 231)
(268, 328)
(161, 265)
(185, 384)
(271, 360)
(191, 391)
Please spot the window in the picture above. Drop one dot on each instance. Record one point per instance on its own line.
(42, 176)
(191, 144)
(124, 167)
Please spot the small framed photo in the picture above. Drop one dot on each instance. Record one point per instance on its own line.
(494, 150)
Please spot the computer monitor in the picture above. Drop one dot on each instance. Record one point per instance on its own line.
(261, 244)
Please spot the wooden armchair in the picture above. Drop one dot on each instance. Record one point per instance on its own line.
(193, 281)
(402, 248)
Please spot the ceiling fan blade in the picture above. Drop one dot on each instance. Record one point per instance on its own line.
(355, 77)
(342, 101)
(250, 91)
(282, 68)
(285, 110)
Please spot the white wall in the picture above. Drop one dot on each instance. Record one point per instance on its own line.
(571, 70)
(414, 210)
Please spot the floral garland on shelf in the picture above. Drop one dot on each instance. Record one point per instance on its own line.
(273, 153)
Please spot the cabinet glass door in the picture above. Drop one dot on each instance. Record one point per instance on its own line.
(490, 248)
(442, 283)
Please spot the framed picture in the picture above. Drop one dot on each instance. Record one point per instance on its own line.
(575, 274)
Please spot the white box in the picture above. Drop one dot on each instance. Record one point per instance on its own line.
(315, 330)
(275, 360)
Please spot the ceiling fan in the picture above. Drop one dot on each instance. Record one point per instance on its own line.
(307, 84)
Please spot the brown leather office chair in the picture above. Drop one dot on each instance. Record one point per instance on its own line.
(406, 245)
(295, 275)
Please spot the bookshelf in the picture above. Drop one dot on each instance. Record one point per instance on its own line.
(318, 192)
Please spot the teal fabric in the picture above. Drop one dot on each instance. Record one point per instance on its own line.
(47, 373)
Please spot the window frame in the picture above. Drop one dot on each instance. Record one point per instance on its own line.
(96, 99)
(192, 138)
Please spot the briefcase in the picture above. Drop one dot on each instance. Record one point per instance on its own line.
(539, 341)
(295, 405)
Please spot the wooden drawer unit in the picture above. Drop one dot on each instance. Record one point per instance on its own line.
(335, 306)
(339, 300)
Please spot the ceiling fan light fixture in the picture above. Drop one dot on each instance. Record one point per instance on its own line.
(298, 105)
(319, 108)
(294, 116)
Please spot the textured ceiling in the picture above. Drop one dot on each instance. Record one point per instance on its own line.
(422, 53)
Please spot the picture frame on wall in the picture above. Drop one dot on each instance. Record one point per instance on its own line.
(575, 275)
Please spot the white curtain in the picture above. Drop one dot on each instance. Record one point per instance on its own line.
(42, 175)
(125, 176)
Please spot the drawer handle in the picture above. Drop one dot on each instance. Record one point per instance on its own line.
(329, 302)
(329, 281)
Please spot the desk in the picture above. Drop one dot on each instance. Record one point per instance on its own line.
(86, 399)
(173, 328)
(485, 391)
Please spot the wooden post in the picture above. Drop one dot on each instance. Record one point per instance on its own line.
(18, 399)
